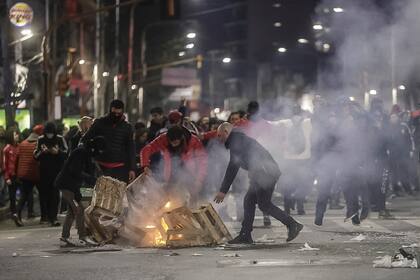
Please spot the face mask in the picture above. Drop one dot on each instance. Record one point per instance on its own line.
(114, 117)
(49, 135)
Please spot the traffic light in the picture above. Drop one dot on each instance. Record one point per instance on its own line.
(170, 9)
(63, 83)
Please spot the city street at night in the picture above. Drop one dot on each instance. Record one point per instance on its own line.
(209, 139)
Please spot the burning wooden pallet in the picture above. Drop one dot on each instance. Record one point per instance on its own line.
(201, 227)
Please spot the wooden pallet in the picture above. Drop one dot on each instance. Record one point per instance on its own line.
(211, 222)
(98, 232)
(108, 194)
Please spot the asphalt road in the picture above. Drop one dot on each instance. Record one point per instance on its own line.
(33, 253)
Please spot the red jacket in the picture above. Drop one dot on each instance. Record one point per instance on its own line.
(194, 156)
(10, 155)
(27, 167)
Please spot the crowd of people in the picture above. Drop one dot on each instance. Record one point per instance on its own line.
(340, 148)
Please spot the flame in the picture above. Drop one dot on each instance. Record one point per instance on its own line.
(150, 226)
(168, 205)
(164, 224)
(159, 239)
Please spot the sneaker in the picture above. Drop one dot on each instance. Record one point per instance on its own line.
(65, 242)
(318, 221)
(18, 222)
(89, 241)
(385, 215)
(80, 243)
(267, 221)
(355, 220)
(242, 239)
(293, 231)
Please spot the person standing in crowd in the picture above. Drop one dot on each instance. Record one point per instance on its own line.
(10, 155)
(28, 171)
(51, 151)
(157, 123)
(74, 174)
(263, 173)
(84, 124)
(184, 158)
(2, 183)
(119, 159)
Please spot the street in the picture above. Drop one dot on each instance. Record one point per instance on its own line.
(33, 252)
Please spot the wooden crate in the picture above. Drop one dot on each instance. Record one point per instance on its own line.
(212, 223)
(108, 194)
(98, 232)
(184, 230)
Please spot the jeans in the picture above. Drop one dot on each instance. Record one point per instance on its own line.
(261, 194)
(26, 197)
(12, 189)
(75, 211)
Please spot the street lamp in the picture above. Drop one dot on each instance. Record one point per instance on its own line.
(182, 53)
(351, 98)
(317, 27)
(401, 87)
(282, 50)
(189, 46)
(26, 32)
(276, 5)
(373, 92)
(277, 24)
(338, 10)
(191, 35)
(303, 41)
(134, 87)
(82, 61)
(226, 60)
(105, 74)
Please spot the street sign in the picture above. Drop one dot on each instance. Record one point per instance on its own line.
(21, 14)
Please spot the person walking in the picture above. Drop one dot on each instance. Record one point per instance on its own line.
(51, 152)
(119, 159)
(10, 155)
(263, 173)
(28, 171)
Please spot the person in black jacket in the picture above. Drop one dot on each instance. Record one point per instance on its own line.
(70, 179)
(51, 152)
(263, 173)
(119, 159)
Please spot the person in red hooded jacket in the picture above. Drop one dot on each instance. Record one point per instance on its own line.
(184, 158)
(28, 170)
(10, 154)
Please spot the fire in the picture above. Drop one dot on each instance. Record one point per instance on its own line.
(150, 226)
(168, 205)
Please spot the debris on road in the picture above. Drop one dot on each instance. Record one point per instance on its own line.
(14, 254)
(197, 255)
(414, 245)
(234, 255)
(359, 238)
(264, 239)
(306, 247)
(406, 258)
(173, 254)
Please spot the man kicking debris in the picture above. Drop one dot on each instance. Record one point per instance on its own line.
(263, 173)
(77, 170)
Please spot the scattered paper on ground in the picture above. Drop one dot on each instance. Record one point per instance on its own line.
(233, 255)
(358, 238)
(399, 261)
(264, 239)
(306, 247)
(414, 245)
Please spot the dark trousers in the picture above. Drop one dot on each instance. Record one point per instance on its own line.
(12, 189)
(119, 173)
(261, 194)
(26, 197)
(325, 184)
(43, 206)
(75, 211)
(378, 188)
(49, 199)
